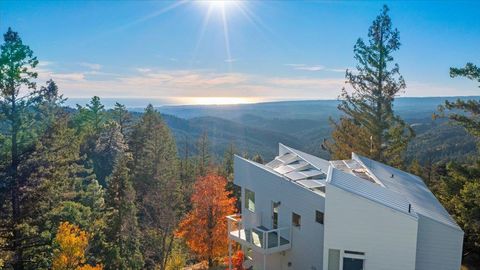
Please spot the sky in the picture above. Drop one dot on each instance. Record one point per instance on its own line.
(203, 52)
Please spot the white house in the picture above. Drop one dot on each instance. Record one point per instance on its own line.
(306, 213)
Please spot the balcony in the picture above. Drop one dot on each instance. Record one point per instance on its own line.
(259, 238)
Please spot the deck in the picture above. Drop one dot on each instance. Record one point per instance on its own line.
(255, 236)
(260, 238)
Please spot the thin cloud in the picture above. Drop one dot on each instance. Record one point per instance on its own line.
(159, 83)
(306, 67)
(92, 66)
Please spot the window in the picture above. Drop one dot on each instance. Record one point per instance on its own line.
(352, 264)
(319, 217)
(250, 200)
(333, 259)
(296, 220)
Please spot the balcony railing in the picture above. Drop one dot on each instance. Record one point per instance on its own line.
(259, 238)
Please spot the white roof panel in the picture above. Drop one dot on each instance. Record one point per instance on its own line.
(370, 191)
(411, 187)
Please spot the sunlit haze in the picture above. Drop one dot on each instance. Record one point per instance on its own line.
(225, 52)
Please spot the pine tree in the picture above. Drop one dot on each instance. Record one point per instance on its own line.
(459, 189)
(157, 184)
(227, 163)
(109, 145)
(203, 154)
(91, 118)
(90, 121)
(369, 125)
(469, 119)
(50, 103)
(123, 118)
(227, 172)
(17, 65)
(123, 248)
(58, 189)
(258, 158)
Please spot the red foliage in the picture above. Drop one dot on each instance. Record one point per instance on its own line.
(237, 260)
(205, 227)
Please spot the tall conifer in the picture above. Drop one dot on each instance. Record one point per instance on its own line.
(158, 186)
(369, 125)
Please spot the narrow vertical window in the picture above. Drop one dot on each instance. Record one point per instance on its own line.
(296, 220)
(250, 200)
(319, 216)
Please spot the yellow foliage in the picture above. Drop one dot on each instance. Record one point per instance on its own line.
(89, 267)
(176, 261)
(70, 254)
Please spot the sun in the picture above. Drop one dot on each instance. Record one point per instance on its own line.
(221, 4)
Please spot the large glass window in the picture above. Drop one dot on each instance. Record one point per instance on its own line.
(250, 200)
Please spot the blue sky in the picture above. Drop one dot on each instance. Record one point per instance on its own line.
(277, 50)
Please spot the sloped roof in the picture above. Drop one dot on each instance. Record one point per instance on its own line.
(370, 179)
(371, 191)
(411, 187)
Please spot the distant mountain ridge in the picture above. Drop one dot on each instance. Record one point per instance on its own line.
(258, 128)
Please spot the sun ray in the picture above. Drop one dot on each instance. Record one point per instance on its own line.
(152, 15)
(227, 38)
(206, 19)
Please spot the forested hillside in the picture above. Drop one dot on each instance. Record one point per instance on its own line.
(305, 124)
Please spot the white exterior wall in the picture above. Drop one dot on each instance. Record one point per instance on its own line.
(387, 237)
(439, 246)
(307, 242)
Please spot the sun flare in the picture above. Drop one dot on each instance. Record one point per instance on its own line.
(221, 4)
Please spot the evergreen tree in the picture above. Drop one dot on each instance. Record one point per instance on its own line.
(227, 171)
(459, 188)
(187, 173)
(158, 187)
(469, 119)
(17, 65)
(369, 125)
(228, 158)
(58, 188)
(203, 157)
(258, 158)
(109, 145)
(123, 118)
(123, 247)
(91, 118)
(50, 103)
(90, 121)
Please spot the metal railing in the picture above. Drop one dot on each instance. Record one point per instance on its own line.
(258, 236)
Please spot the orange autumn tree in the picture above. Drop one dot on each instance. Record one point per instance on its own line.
(205, 227)
(70, 254)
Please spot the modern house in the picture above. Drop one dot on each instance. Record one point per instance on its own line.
(306, 213)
